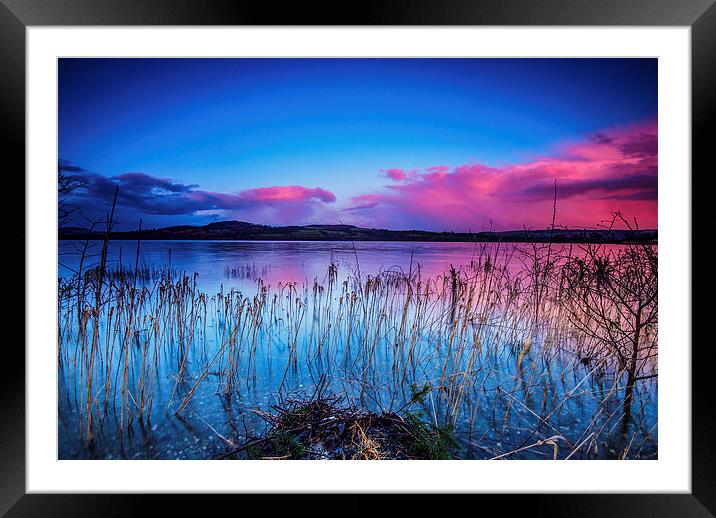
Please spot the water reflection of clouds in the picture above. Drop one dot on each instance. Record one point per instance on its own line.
(282, 262)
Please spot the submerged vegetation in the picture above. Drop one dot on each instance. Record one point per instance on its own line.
(530, 351)
(320, 427)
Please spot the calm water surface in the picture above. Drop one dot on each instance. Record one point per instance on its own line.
(485, 427)
(283, 261)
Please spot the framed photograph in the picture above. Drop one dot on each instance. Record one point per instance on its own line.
(416, 251)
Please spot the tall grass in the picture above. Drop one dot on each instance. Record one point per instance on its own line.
(526, 348)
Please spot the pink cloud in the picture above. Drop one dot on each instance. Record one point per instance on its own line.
(611, 170)
(395, 174)
(290, 193)
(438, 169)
(285, 205)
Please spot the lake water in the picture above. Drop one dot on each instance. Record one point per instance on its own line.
(501, 395)
(239, 263)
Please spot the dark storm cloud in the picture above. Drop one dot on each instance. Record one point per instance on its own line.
(644, 184)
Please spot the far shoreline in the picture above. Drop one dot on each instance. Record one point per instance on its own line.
(242, 231)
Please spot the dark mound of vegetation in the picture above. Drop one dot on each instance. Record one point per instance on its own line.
(321, 427)
(241, 230)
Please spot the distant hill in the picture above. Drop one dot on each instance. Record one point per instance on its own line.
(241, 230)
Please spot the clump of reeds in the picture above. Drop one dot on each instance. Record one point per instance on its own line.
(320, 426)
(246, 271)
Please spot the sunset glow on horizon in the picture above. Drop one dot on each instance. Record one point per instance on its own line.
(432, 144)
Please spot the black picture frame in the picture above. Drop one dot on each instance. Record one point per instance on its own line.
(17, 15)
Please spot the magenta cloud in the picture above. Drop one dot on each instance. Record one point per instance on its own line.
(290, 193)
(611, 170)
(395, 174)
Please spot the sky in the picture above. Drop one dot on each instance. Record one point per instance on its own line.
(434, 144)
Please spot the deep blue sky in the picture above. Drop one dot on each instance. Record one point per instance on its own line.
(228, 125)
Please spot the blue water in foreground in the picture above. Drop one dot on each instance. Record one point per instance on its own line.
(504, 402)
